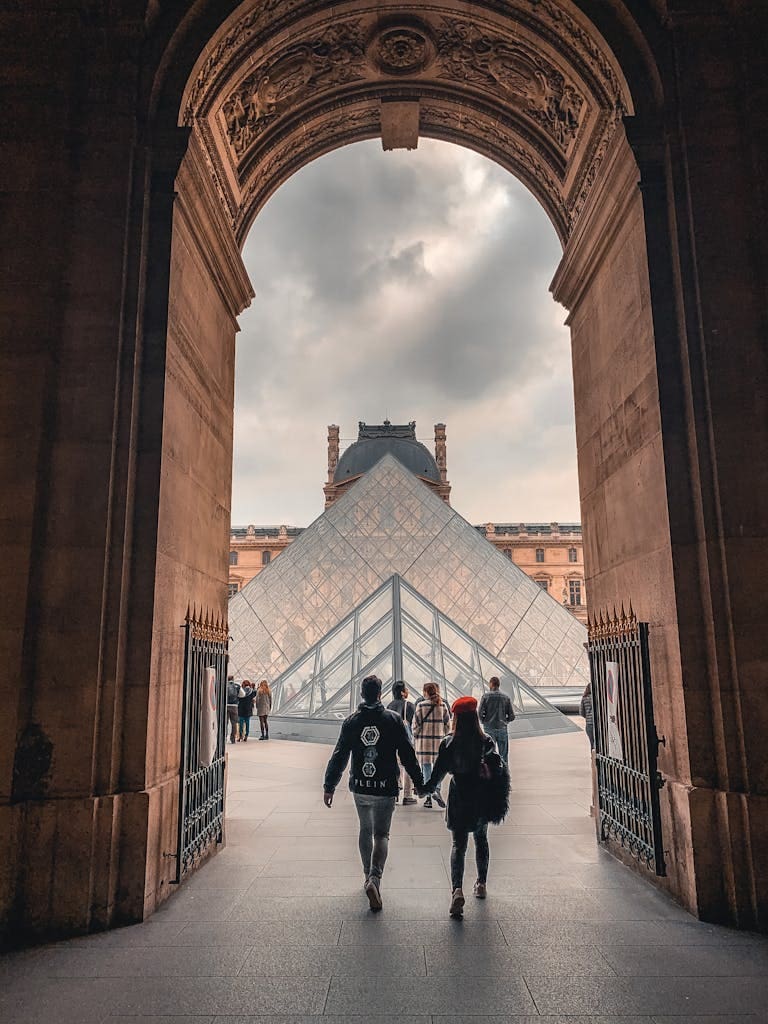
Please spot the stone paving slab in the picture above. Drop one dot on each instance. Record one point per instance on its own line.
(276, 928)
(222, 995)
(445, 995)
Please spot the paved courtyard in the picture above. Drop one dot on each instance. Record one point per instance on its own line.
(277, 925)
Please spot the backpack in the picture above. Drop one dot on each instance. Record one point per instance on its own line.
(493, 791)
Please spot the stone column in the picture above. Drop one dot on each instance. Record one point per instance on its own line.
(671, 409)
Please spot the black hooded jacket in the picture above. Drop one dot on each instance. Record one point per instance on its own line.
(375, 738)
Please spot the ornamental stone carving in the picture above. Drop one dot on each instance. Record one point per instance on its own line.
(468, 54)
(336, 57)
(405, 49)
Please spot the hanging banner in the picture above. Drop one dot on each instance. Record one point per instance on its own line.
(209, 720)
(615, 747)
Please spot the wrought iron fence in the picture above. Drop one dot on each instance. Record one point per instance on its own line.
(626, 741)
(203, 737)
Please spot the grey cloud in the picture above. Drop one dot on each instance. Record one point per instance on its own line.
(356, 317)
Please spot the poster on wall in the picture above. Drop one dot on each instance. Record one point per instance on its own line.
(209, 722)
(615, 747)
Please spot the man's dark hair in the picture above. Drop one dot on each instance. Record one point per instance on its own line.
(494, 683)
(371, 689)
(399, 689)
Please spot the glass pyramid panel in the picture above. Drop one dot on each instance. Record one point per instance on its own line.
(441, 653)
(389, 523)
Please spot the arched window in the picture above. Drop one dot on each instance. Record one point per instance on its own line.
(508, 553)
(539, 554)
(233, 558)
(573, 555)
(266, 557)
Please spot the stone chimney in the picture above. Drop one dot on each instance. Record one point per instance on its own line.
(329, 490)
(333, 450)
(441, 458)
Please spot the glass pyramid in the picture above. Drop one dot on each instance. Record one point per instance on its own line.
(390, 524)
(397, 634)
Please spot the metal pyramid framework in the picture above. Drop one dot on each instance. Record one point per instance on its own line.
(397, 634)
(390, 524)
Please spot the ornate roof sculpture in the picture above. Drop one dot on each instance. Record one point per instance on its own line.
(390, 524)
(374, 442)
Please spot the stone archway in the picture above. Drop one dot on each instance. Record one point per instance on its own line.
(589, 104)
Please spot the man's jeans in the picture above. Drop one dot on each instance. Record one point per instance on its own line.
(501, 739)
(375, 814)
(232, 716)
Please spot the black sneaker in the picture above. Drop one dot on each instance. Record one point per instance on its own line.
(439, 800)
(373, 893)
(428, 803)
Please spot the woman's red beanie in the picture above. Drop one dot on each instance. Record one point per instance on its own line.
(464, 705)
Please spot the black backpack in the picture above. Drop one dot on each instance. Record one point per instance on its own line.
(494, 788)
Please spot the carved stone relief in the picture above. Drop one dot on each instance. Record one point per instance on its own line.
(401, 49)
(334, 58)
(575, 112)
(469, 54)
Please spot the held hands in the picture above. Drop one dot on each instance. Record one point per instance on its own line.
(327, 798)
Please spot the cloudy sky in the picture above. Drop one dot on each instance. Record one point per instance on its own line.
(413, 286)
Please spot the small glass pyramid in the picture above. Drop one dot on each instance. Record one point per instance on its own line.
(397, 634)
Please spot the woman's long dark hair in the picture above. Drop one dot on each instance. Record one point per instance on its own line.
(468, 743)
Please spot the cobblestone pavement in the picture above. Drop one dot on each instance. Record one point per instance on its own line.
(277, 925)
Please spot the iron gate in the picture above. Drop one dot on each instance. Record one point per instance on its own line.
(203, 737)
(626, 742)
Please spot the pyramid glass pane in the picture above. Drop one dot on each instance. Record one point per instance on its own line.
(390, 524)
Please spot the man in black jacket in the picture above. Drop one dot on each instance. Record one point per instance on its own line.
(375, 738)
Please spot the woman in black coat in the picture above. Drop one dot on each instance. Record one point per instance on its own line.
(461, 755)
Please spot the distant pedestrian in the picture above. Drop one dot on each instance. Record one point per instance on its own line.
(496, 712)
(245, 710)
(234, 693)
(263, 707)
(376, 738)
(405, 708)
(587, 713)
(431, 723)
(479, 793)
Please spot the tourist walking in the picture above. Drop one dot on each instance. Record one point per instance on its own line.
(263, 707)
(479, 793)
(496, 712)
(431, 723)
(376, 738)
(234, 693)
(405, 708)
(587, 713)
(245, 710)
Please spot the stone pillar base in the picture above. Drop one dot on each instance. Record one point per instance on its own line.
(80, 865)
